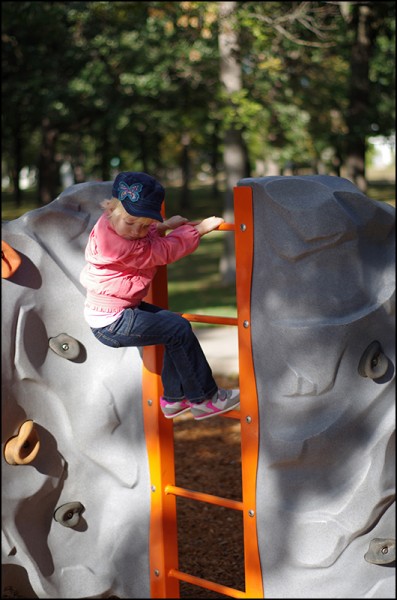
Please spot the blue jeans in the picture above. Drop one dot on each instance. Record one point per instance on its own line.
(186, 372)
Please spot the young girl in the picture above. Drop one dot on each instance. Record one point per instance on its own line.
(124, 249)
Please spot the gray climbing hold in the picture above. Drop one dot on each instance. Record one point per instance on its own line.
(381, 551)
(69, 514)
(65, 345)
(374, 362)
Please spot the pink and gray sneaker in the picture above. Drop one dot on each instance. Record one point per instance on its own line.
(174, 409)
(222, 401)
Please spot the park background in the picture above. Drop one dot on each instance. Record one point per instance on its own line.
(200, 95)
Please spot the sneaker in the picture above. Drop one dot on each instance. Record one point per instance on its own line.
(174, 409)
(223, 401)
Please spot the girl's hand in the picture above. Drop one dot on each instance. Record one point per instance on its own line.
(172, 223)
(209, 224)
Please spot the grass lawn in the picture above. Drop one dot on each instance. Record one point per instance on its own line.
(194, 283)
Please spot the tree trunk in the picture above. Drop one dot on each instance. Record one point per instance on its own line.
(105, 156)
(143, 151)
(234, 154)
(357, 114)
(78, 163)
(214, 160)
(185, 168)
(17, 166)
(48, 166)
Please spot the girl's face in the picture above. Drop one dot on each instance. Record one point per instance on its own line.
(129, 227)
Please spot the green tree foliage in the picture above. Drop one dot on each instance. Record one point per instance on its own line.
(309, 63)
(140, 82)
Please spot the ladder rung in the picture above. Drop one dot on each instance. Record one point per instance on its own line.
(204, 583)
(201, 497)
(210, 319)
(231, 414)
(226, 227)
(222, 227)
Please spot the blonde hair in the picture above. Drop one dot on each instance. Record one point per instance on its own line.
(115, 207)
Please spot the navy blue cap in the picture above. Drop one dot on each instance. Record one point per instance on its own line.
(140, 194)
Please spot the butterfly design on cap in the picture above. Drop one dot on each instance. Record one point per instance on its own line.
(129, 191)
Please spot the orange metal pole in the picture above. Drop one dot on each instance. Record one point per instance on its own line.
(244, 236)
(202, 497)
(209, 585)
(222, 227)
(210, 319)
(226, 227)
(163, 542)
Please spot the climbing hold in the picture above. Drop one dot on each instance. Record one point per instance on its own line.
(64, 345)
(22, 448)
(10, 260)
(69, 514)
(381, 551)
(374, 362)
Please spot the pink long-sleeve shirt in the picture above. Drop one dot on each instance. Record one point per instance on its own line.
(118, 272)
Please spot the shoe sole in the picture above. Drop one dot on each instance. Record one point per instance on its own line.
(208, 415)
(176, 414)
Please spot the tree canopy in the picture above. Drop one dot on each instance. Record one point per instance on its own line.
(140, 86)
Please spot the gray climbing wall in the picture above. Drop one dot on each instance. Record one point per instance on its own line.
(322, 292)
(91, 466)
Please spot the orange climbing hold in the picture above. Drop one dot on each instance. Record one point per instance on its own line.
(10, 260)
(22, 448)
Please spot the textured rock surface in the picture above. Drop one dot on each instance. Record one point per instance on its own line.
(323, 289)
(87, 414)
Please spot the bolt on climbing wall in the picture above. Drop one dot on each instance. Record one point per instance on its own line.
(323, 343)
(76, 490)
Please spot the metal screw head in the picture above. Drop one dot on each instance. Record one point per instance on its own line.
(385, 550)
(248, 419)
(65, 347)
(246, 324)
(251, 513)
(157, 572)
(150, 402)
(243, 226)
(153, 488)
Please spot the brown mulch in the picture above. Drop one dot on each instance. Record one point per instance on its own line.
(210, 537)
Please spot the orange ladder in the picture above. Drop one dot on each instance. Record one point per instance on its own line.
(163, 548)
